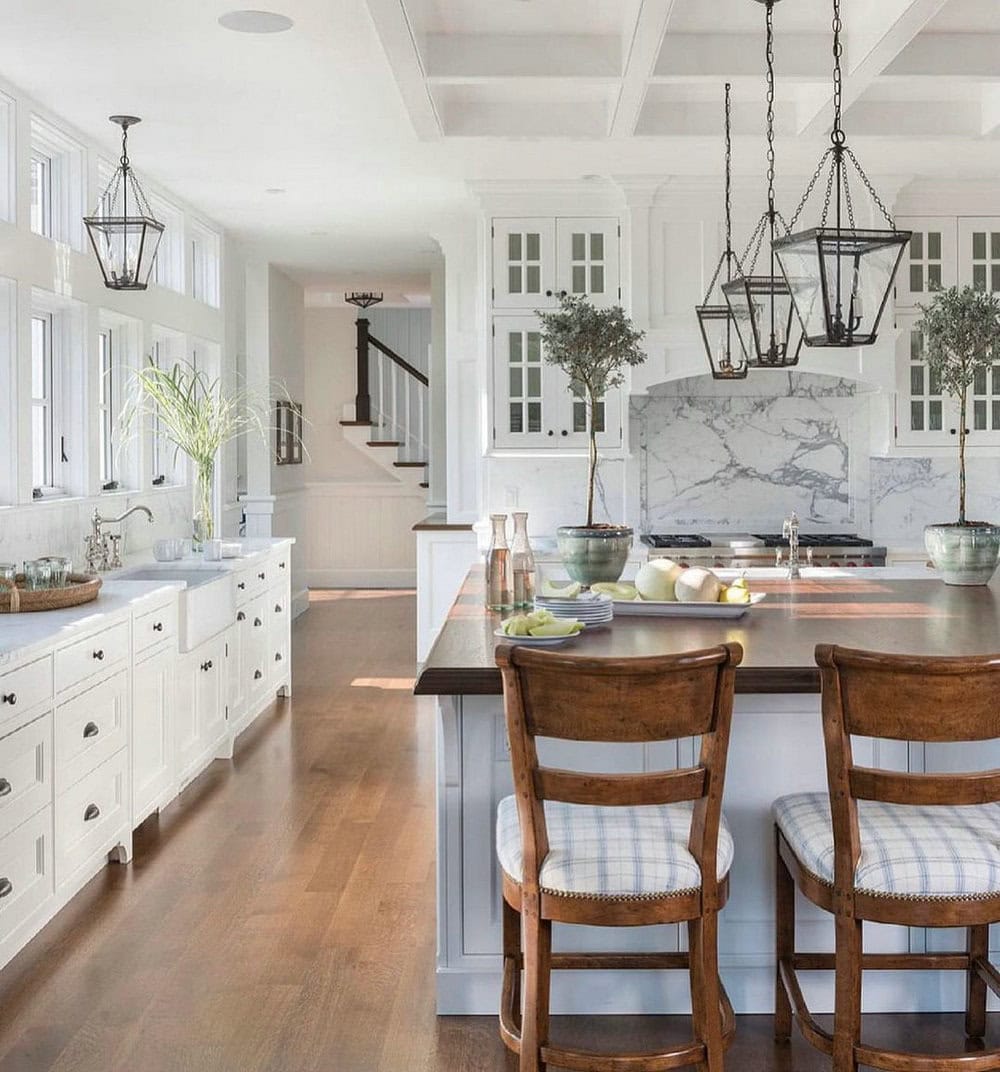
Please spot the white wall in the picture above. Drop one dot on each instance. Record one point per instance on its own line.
(407, 331)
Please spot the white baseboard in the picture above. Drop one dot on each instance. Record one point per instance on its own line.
(300, 603)
(360, 578)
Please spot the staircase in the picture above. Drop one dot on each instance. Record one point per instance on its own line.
(390, 412)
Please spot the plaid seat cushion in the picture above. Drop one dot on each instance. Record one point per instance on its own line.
(906, 850)
(621, 852)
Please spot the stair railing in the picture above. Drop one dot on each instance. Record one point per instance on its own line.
(392, 394)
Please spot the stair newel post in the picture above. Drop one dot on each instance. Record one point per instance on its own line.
(363, 399)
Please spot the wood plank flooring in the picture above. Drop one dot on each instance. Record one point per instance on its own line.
(279, 915)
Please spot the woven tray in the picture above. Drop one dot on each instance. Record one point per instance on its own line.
(80, 588)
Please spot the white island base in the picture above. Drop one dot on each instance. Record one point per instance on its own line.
(776, 748)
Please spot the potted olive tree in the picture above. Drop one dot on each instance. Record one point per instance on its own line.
(961, 327)
(593, 347)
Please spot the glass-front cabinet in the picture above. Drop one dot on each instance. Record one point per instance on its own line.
(979, 253)
(533, 406)
(535, 261)
(931, 259)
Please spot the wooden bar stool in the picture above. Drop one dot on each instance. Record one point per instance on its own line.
(921, 850)
(614, 850)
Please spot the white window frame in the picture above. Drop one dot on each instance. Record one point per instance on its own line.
(47, 400)
(164, 470)
(8, 159)
(168, 268)
(62, 216)
(204, 263)
(107, 397)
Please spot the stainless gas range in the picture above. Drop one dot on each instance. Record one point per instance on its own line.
(741, 550)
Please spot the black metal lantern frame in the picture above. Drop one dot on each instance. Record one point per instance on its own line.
(363, 299)
(123, 230)
(840, 277)
(718, 328)
(761, 305)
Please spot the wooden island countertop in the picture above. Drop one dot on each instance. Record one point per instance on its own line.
(900, 610)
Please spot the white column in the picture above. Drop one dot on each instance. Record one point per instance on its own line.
(258, 501)
(437, 470)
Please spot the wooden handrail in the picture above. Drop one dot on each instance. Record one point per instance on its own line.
(401, 361)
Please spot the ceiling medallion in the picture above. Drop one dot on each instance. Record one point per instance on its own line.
(123, 230)
(840, 276)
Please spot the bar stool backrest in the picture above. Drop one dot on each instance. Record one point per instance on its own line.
(581, 698)
(904, 698)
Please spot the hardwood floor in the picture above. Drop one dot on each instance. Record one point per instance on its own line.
(279, 915)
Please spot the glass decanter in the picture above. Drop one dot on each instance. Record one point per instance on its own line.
(499, 575)
(522, 564)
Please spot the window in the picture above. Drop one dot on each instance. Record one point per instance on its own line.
(203, 250)
(106, 407)
(168, 268)
(41, 194)
(57, 184)
(8, 158)
(164, 467)
(43, 444)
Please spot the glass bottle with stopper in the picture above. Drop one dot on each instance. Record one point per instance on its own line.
(499, 571)
(523, 564)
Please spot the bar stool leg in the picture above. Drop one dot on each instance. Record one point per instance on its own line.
(784, 905)
(537, 938)
(706, 1010)
(511, 922)
(847, 1006)
(975, 1007)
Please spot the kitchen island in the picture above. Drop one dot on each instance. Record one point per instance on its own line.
(776, 748)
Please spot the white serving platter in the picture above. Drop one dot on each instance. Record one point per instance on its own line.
(536, 641)
(656, 608)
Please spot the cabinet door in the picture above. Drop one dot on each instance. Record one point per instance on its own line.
(253, 649)
(923, 413)
(278, 638)
(210, 693)
(520, 415)
(524, 264)
(979, 253)
(930, 262)
(152, 733)
(587, 259)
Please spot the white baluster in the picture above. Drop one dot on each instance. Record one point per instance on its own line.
(381, 396)
(421, 421)
(407, 430)
(393, 402)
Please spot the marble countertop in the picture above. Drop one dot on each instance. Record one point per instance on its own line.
(23, 636)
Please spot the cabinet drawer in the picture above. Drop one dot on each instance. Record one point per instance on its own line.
(90, 728)
(25, 872)
(25, 773)
(253, 580)
(24, 688)
(154, 627)
(77, 662)
(91, 815)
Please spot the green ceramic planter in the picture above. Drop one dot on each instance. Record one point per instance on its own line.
(594, 554)
(964, 554)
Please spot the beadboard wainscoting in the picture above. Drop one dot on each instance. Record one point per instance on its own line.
(360, 535)
(289, 519)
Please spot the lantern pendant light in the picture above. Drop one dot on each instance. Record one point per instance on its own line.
(761, 305)
(718, 329)
(840, 277)
(123, 230)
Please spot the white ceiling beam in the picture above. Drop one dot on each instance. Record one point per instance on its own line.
(916, 119)
(714, 57)
(990, 111)
(641, 51)
(875, 35)
(450, 58)
(399, 43)
(957, 56)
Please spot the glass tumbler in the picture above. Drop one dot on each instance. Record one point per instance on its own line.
(37, 574)
(8, 573)
(60, 568)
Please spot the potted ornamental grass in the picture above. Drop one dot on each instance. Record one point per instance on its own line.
(961, 329)
(594, 347)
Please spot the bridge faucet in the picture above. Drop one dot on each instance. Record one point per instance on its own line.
(103, 551)
(790, 531)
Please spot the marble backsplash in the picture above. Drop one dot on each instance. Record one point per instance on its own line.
(58, 527)
(740, 456)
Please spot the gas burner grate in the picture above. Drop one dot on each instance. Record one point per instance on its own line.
(659, 540)
(827, 539)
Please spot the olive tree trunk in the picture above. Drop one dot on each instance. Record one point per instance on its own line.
(592, 467)
(961, 456)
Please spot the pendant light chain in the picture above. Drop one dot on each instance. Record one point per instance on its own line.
(769, 52)
(837, 136)
(728, 257)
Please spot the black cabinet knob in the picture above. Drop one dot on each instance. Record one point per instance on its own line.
(157, 627)
(242, 585)
(5, 788)
(99, 654)
(548, 294)
(207, 665)
(261, 576)
(9, 698)
(6, 887)
(551, 432)
(281, 565)
(564, 432)
(91, 729)
(92, 812)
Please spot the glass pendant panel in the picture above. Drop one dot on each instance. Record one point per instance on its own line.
(840, 281)
(125, 248)
(765, 320)
(722, 344)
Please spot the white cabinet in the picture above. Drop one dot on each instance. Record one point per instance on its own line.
(201, 706)
(979, 253)
(153, 741)
(278, 634)
(533, 406)
(26, 881)
(535, 261)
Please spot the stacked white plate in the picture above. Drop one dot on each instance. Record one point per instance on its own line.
(591, 608)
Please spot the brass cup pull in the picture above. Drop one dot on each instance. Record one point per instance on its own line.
(257, 621)
(92, 812)
(277, 656)
(277, 608)
(257, 675)
(91, 729)
(241, 617)
(99, 654)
